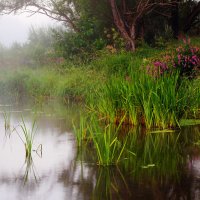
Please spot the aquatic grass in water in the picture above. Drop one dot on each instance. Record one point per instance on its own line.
(81, 132)
(108, 147)
(155, 153)
(28, 137)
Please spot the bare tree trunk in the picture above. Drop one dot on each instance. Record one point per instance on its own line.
(128, 19)
(129, 37)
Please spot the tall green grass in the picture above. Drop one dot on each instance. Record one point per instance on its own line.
(27, 136)
(146, 100)
(108, 147)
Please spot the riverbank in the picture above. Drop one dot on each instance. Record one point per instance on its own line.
(121, 87)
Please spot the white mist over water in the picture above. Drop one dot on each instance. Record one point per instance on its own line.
(15, 28)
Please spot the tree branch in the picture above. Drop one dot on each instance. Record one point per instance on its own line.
(57, 10)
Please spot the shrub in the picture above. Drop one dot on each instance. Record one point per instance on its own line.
(185, 59)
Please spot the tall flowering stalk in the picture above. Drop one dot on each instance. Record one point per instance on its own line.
(159, 67)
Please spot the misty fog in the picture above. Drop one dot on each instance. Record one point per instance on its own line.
(15, 28)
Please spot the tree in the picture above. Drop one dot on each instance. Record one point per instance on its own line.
(67, 11)
(129, 14)
(75, 14)
(61, 10)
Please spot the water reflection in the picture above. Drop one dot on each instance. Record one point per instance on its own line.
(29, 169)
(166, 165)
(34, 177)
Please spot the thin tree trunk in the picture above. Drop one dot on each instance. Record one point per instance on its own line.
(129, 38)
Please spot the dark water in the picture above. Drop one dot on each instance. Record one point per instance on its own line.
(167, 165)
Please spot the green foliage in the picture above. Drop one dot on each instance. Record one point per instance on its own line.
(114, 38)
(39, 48)
(82, 45)
(122, 63)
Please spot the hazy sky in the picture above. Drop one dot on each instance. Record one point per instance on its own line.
(16, 27)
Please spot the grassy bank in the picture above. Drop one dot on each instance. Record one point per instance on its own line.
(117, 88)
(142, 100)
(68, 80)
(154, 89)
(73, 83)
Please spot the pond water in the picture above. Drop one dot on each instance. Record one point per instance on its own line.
(57, 170)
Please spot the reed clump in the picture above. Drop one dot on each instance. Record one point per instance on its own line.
(135, 149)
(27, 137)
(105, 140)
(146, 100)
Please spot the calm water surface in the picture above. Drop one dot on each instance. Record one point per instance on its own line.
(62, 172)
